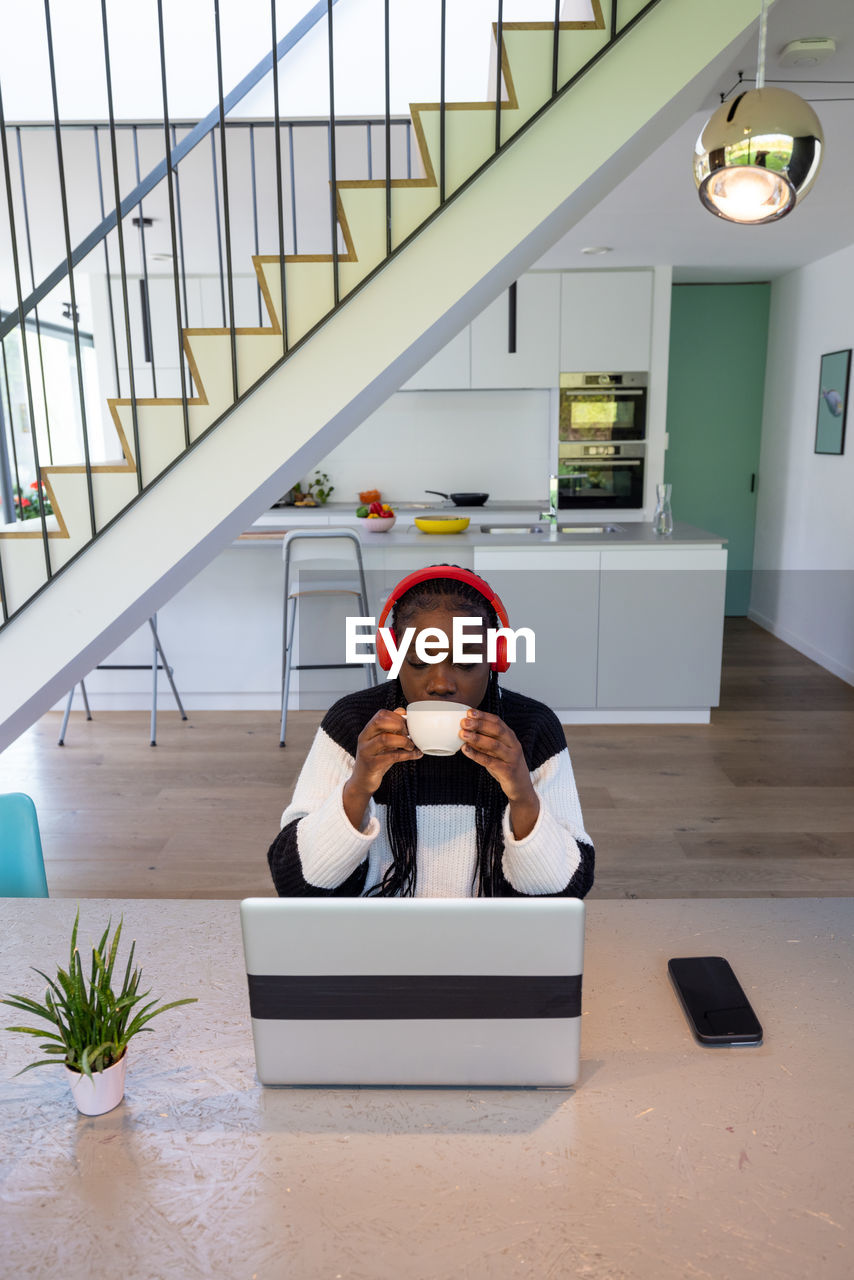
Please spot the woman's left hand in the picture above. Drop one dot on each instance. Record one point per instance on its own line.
(489, 741)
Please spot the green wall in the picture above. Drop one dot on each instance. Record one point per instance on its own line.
(718, 340)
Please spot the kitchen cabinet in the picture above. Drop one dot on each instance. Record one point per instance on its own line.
(385, 566)
(628, 627)
(322, 628)
(628, 633)
(661, 617)
(555, 592)
(449, 369)
(571, 321)
(605, 321)
(536, 360)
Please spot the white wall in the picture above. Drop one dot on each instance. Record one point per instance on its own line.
(494, 442)
(245, 38)
(192, 93)
(803, 589)
(499, 442)
(201, 246)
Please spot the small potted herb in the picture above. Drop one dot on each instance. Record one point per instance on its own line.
(92, 1026)
(321, 487)
(316, 493)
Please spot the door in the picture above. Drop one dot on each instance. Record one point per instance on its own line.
(718, 340)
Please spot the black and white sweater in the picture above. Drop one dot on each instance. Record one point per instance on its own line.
(318, 852)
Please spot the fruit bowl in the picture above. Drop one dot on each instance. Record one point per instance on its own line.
(377, 524)
(428, 524)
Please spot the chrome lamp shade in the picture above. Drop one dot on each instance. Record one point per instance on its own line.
(758, 155)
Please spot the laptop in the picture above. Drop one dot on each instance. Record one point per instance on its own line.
(415, 991)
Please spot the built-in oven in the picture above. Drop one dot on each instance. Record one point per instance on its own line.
(602, 406)
(600, 474)
(601, 439)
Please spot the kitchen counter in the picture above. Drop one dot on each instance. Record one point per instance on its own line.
(628, 625)
(404, 533)
(438, 507)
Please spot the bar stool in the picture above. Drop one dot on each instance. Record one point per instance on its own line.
(325, 550)
(132, 666)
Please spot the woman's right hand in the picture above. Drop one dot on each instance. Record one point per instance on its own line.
(383, 742)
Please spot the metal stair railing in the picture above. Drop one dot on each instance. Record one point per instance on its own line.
(16, 323)
(177, 151)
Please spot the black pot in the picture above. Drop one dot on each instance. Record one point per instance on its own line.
(462, 499)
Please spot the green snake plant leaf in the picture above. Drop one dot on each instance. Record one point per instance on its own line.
(128, 979)
(74, 936)
(93, 1022)
(113, 950)
(26, 1005)
(42, 1062)
(35, 1031)
(50, 982)
(142, 1017)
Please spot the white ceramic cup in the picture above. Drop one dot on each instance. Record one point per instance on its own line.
(434, 726)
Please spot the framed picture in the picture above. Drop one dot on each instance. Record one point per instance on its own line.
(832, 402)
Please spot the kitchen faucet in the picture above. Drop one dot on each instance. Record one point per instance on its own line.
(551, 514)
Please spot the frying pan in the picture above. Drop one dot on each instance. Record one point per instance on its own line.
(462, 499)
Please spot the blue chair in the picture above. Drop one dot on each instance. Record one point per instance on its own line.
(21, 860)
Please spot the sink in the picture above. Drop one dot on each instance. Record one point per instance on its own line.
(590, 528)
(513, 528)
(543, 529)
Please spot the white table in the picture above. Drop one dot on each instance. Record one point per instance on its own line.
(669, 1159)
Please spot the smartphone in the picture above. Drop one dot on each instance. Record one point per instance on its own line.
(715, 1004)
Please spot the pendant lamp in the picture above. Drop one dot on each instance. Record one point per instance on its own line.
(759, 153)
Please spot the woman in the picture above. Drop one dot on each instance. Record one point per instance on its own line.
(371, 815)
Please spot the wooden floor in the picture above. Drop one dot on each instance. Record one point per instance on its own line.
(760, 802)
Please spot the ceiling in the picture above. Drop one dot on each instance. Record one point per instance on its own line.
(654, 216)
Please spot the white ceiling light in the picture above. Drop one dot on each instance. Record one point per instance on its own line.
(759, 154)
(595, 249)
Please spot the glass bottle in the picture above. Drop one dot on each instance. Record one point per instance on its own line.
(662, 520)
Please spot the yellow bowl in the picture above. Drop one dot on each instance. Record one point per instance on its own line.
(438, 525)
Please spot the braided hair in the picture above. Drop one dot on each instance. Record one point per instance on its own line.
(490, 801)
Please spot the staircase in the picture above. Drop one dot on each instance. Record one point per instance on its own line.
(495, 190)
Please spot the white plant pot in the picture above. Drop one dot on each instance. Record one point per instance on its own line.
(103, 1092)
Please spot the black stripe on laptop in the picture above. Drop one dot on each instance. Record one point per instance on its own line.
(381, 996)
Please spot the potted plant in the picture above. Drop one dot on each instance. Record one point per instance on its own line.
(316, 493)
(92, 1025)
(30, 507)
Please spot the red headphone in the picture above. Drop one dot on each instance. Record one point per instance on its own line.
(501, 662)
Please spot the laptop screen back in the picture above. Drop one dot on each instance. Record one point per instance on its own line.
(415, 991)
